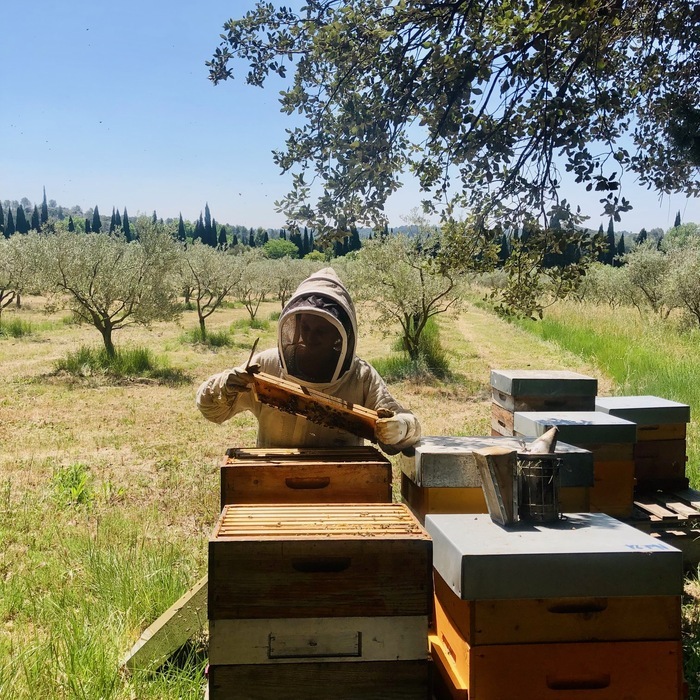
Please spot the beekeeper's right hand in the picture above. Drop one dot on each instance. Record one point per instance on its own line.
(239, 381)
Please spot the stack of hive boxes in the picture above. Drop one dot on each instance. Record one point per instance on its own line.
(610, 439)
(319, 586)
(660, 454)
(441, 476)
(588, 607)
(537, 390)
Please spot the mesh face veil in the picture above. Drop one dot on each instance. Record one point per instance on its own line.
(316, 339)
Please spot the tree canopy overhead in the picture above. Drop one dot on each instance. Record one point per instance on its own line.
(481, 99)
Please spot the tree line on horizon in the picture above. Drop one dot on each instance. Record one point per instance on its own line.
(205, 228)
(29, 216)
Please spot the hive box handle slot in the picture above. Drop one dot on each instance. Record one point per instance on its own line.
(321, 565)
(591, 683)
(309, 482)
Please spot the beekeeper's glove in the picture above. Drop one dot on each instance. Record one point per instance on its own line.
(238, 381)
(393, 430)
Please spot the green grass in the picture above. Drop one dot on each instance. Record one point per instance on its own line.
(130, 362)
(212, 339)
(248, 323)
(431, 362)
(15, 328)
(80, 581)
(643, 357)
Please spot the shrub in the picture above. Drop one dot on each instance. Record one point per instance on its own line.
(15, 328)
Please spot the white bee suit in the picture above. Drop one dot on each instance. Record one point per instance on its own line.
(354, 380)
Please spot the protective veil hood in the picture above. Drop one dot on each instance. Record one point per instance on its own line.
(321, 294)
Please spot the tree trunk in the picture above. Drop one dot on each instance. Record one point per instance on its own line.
(202, 327)
(106, 332)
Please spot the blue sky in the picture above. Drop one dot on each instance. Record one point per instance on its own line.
(109, 104)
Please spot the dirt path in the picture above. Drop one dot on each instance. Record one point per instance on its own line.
(501, 345)
(479, 342)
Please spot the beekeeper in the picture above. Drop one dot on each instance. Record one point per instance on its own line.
(316, 339)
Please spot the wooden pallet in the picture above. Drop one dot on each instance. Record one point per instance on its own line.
(666, 510)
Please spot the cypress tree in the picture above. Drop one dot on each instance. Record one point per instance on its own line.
(112, 222)
(208, 232)
(223, 238)
(641, 237)
(154, 218)
(612, 247)
(117, 219)
(354, 243)
(181, 235)
(87, 225)
(10, 228)
(36, 224)
(620, 251)
(45, 209)
(234, 240)
(251, 238)
(677, 222)
(601, 254)
(2, 218)
(283, 234)
(21, 223)
(125, 226)
(71, 225)
(503, 251)
(214, 234)
(96, 223)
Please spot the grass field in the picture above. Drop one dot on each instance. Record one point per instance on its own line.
(109, 489)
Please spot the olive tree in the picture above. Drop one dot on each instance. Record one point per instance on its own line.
(287, 273)
(255, 281)
(648, 269)
(110, 283)
(683, 280)
(210, 275)
(406, 282)
(17, 266)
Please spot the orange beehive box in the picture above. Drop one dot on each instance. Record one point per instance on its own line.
(472, 623)
(305, 475)
(319, 560)
(423, 500)
(388, 680)
(565, 671)
(661, 463)
(613, 488)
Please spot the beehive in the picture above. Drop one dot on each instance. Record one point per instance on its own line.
(305, 475)
(590, 671)
(660, 454)
(313, 594)
(440, 475)
(587, 607)
(609, 438)
(537, 390)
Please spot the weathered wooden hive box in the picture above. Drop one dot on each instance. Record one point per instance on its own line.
(305, 598)
(440, 475)
(305, 475)
(537, 390)
(660, 454)
(609, 438)
(587, 607)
